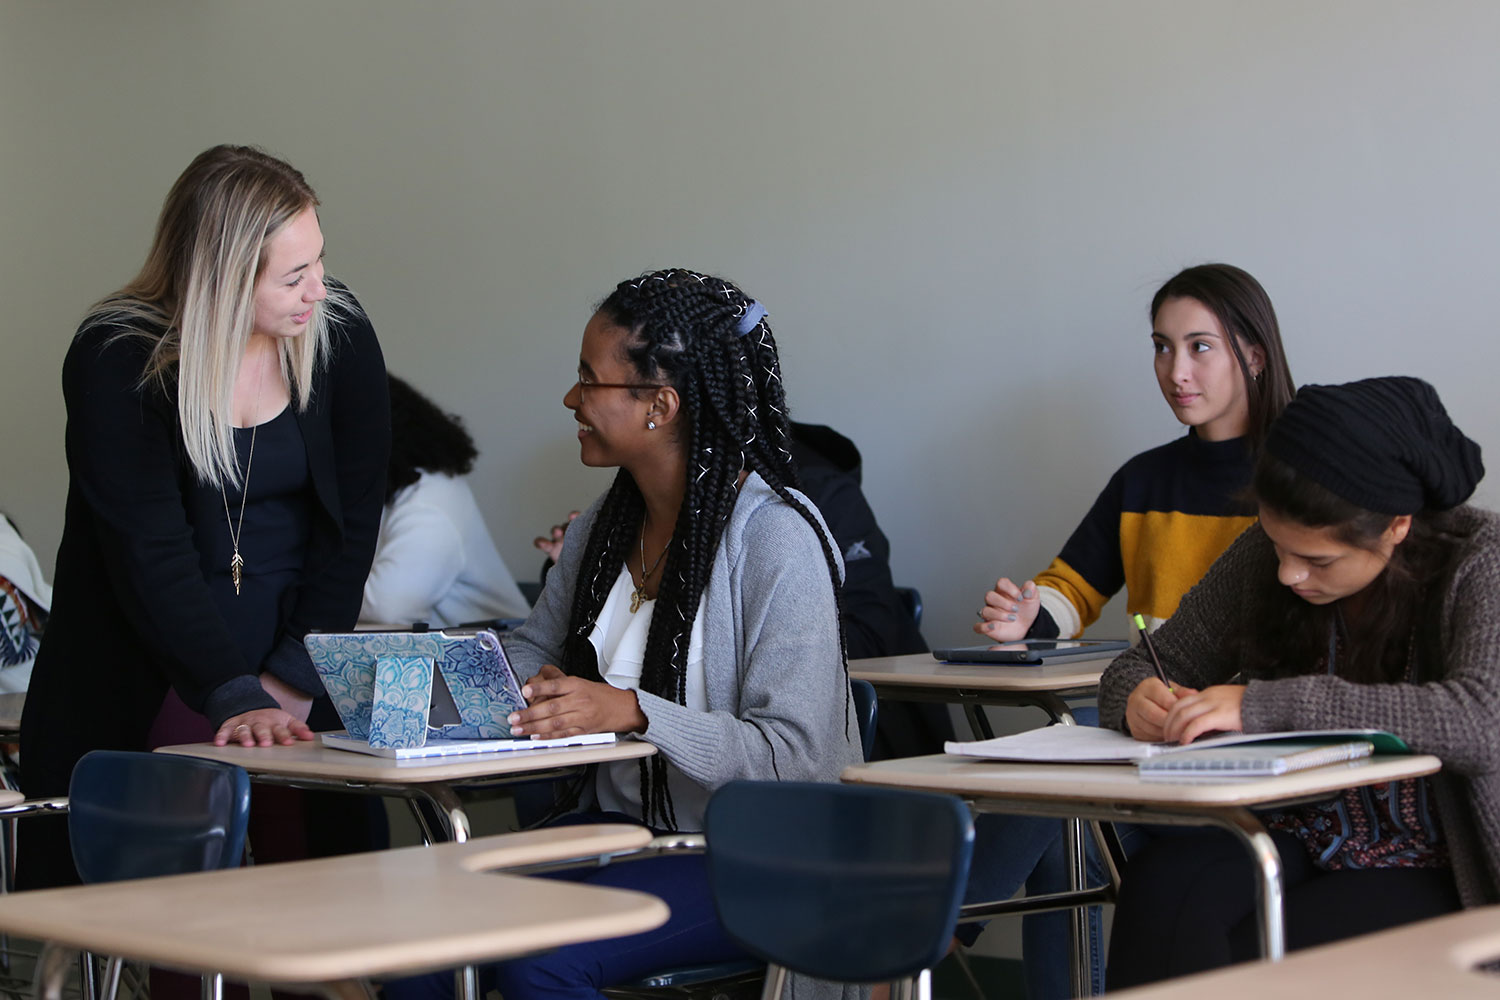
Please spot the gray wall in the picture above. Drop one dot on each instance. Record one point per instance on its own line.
(956, 213)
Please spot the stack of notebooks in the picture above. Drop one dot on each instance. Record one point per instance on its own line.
(1243, 755)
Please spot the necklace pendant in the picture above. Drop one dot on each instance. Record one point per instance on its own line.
(637, 598)
(235, 566)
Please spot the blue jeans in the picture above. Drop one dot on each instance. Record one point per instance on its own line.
(1011, 851)
(692, 935)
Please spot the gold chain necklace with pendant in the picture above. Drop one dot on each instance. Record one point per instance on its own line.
(237, 562)
(638, 596)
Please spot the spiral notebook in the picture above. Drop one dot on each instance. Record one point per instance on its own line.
(1253, 761)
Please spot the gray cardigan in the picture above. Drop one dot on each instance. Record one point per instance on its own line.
(1451, 713)
(778, 698)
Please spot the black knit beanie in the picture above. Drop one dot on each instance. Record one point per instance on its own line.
(1384, 444)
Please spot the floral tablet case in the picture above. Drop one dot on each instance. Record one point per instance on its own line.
(387, 686)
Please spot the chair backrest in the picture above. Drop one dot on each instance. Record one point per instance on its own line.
(911, 600)
(140, 815)
(851, 883)
(866, 713)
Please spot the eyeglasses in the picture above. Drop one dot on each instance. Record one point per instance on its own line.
(617, 385)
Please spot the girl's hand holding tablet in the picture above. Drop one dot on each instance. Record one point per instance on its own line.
(1009, 611)
(567, 706)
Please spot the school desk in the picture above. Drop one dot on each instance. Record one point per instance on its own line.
(330, 923)
(309, 764)
(1115, 792)
(919, 677)
(1432, 958)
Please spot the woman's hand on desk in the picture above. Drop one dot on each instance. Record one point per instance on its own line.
(1213, 709)
(566, 706)
(1147, 709)
(1008, 610)
(265, 726)
(262, 728)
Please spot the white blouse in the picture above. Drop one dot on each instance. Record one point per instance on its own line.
(619, 640)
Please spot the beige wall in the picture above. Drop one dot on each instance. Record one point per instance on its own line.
(956, 213)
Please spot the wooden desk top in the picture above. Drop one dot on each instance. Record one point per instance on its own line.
(921, 670)
(313, 760)
(375, 914)
(1119, 783)
(1433, 958)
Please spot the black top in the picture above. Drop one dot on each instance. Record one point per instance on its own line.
(273, 535)
(132, 610)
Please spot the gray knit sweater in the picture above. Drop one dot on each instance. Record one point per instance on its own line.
(1453, 712)
(778, 697)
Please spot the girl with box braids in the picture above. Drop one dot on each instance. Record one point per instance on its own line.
(708, 340)
(695, 605)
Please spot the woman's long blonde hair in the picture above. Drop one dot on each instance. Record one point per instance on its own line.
(194, 298)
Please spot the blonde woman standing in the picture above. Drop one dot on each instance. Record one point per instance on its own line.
(226, 440)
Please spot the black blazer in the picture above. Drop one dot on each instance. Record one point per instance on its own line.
(131, 611)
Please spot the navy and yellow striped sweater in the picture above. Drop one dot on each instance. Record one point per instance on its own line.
(1165, 516)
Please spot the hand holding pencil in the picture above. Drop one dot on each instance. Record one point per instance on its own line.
(1153, 698)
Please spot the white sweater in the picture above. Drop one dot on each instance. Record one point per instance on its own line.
(435, 561)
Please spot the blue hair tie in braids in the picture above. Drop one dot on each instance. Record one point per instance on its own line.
(754, 313)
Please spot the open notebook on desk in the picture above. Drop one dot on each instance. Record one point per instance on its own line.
(1061, 744)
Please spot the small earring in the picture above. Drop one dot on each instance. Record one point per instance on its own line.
(651, 425)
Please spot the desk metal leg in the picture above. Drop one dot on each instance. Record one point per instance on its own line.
(451, 809)
(978, 724)
(347, 989)
(1243, 824)
(51, 969)
(466, 983)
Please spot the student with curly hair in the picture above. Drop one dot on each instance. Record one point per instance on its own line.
(435, 561)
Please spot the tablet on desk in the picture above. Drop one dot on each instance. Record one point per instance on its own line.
(1030, 651)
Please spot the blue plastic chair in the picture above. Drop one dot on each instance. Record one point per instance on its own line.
(718, 980)
(143, 815)
(842, 882)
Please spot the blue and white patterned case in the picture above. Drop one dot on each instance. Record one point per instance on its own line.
(484, 689)
(346, 665)
(401, 702)
(381, 684)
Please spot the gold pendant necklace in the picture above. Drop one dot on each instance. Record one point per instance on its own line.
(237, 562)
(638, 596)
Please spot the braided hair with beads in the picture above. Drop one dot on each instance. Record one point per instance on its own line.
(693, 332)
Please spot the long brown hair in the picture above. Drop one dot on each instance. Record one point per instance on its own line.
(1244, 309)
(1291, 637)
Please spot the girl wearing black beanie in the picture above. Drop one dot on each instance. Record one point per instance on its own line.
(1368, 595)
